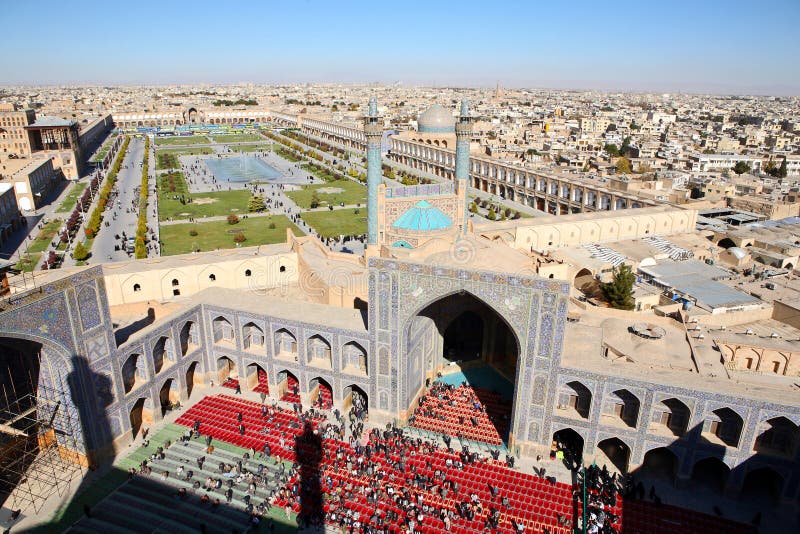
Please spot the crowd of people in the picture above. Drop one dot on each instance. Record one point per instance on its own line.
(447, 405)
(602, 489)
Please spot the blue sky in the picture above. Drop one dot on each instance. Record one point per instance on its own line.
(713, 46)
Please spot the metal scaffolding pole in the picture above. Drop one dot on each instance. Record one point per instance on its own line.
(39, 452)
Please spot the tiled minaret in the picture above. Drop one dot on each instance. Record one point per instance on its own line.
(463, 135)
(373, 130)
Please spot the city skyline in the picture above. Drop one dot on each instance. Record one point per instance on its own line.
(722, 48)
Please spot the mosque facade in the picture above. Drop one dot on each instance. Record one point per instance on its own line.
(384, 336)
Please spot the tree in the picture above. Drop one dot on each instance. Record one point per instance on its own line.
(770, 167)
(256, 204)
(314, 200)
(741, 167)
(80, 253)
(782, 170)
(619, 292)
(626, 144)
(611, 149)
(233, 219)
(624, 165)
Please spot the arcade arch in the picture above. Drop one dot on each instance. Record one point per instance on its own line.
(252, 337)
(571, 443)
(168, 395)
(226, 369)
(223, 330)
(623, 406)
(163, 353)
(133, 373)
(660, 463)
(712, 473)
(763, 486)
(617, 452)
(778, 437)
(355, 397)
(320, 393)
(455, 328)
(285, 344)
(193, 378)
(189, 337)
(724, 425)
(319, 351)
(672, 416)
(141, 414)
(256, 378)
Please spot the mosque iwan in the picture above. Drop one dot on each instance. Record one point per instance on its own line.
(448, 332)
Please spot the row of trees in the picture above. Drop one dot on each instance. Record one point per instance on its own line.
(140, 248)
(773, 169)
(93, 226)
(239, 102)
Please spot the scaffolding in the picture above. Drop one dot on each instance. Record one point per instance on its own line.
(39, 452)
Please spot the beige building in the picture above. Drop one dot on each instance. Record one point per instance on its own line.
(23, 134)
(161, 279)
(764, 206)
(717, 191)
(32, 180)
(10, 217)
(15, 140)
(545, 234)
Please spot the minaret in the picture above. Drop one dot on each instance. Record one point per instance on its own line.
(463, 135)
(373, 131)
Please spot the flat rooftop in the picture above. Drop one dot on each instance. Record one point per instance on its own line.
(698, 280)
(486, 225)
(668, 360)
(181, 260)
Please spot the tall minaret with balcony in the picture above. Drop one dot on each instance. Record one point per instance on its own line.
(373, 130)
(463, 135)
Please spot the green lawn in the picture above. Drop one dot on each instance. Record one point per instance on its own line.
(338, 222)
(202, 205)
(28, 262)
(72, 197)
(45, 236)
(182, 140)
(168, 159)
(107, 144)
(237, 138)
(253, 148)
(219, 234)
(323, 173)
(285, 154)
(345, 191)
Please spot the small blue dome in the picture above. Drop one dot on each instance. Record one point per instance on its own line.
(423, 216)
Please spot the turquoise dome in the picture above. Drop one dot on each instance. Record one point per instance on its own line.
(423, 216)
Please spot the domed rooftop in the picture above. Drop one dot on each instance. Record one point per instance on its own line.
(423, 216)
(739, 253)
(436, 119)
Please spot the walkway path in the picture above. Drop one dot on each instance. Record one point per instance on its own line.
(115, 218)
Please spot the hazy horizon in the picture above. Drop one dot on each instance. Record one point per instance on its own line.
(716, 47)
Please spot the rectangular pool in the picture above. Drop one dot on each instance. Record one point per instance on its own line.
(242, 169)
